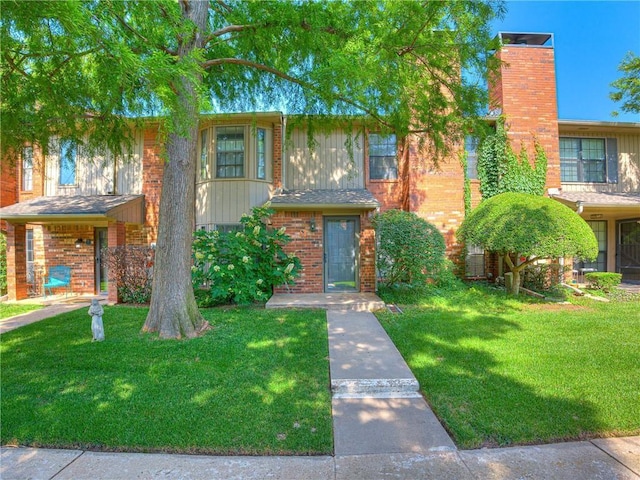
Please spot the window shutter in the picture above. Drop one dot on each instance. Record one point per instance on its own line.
(612, 160)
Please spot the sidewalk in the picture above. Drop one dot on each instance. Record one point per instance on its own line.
(383, 429)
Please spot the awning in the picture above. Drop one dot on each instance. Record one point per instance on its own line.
(602, 200)
(356, 199)
(91, 209)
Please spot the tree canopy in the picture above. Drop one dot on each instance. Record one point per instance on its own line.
(627, 87)
(523, 225)
(86, 70)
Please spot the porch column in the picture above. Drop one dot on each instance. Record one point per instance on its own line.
(16, 262)
(116, 237)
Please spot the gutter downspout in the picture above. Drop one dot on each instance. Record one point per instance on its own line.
(579, 207)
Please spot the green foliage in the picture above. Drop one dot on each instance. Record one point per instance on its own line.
(242, 267)
(500, 170)
(3, 263)
(528, 226)
(410, 249)
(627, 87)
(543, 278)
(604, 281)
(130, 267)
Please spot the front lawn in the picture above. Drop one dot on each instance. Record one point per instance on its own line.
(501, 371)
(12, 309)
(257, 383)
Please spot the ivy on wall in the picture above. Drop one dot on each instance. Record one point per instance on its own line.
(500, 170)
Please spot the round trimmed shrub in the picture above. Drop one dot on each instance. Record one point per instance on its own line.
(410, 250)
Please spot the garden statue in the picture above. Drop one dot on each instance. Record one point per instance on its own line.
(96, 312)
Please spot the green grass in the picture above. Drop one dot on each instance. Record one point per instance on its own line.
(11, 309)
(501, 371)
(257, 383)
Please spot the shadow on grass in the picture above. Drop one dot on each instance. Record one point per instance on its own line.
(481, 374)
(255, 384)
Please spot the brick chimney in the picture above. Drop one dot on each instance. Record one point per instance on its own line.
(525, 93)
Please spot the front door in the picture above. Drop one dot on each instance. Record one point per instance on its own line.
(628, 254)
(341, 238)
(101, 265)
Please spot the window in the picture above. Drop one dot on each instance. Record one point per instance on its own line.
(230, 152)
(67, 162)
(471, 147)
(383, 163)
(474, 264)
(229, 227)
(205, 173)
(599, 228)
(261, 153)
(29, 244)
(27, 168)
(583, 160)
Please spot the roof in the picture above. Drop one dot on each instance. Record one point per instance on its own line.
(600, 199)
(593, 126)
(76, 209)
(360, 199)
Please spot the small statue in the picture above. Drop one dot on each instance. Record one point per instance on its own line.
(96, 311)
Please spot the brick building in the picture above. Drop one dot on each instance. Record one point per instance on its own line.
(62, 209)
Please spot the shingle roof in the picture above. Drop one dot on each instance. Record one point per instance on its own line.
(601, 199)
(359, 198)
(78, 207)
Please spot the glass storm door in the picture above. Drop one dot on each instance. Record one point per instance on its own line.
(101, 265)
(341, 254)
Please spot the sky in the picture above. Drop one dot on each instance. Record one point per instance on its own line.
(590, 40)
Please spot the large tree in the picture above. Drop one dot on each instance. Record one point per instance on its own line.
(526, 228)
(627, 87)
(85, 69)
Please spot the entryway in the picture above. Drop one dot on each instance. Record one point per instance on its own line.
(341, 240)
(102, 278)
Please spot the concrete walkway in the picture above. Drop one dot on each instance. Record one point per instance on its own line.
(383, 429)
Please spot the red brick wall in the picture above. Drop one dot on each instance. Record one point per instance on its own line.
(60, 249)
(16, 262)
(8, 184)
(309, 248)
(277, 156)
(152, 170)
(526, 92)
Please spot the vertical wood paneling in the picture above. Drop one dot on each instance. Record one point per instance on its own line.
(96, 174)
(225, 201)
(327, 166)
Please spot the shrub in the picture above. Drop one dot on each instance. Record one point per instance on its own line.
(604, 281)
(543, 277)
(242, 267)
(131, 268)
(410, 249)
(3, 264)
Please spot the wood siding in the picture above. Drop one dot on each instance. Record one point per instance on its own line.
(224, 201)
(328, 166)
(97, 175)
(628, 165)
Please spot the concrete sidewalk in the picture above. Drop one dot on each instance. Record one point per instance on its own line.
(383, 429)
(606, 459)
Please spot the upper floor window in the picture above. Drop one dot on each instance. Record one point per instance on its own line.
(67, 162)
(27, 168)
(205, 172)
(471, 148)
(261, 153)
(383, 162)
(583, 160)
(230, 152)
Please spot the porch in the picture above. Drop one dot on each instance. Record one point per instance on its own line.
(360, 302)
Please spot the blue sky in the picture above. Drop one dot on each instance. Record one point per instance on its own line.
(590, 40)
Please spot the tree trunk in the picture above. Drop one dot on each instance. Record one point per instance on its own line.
(173, 312)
